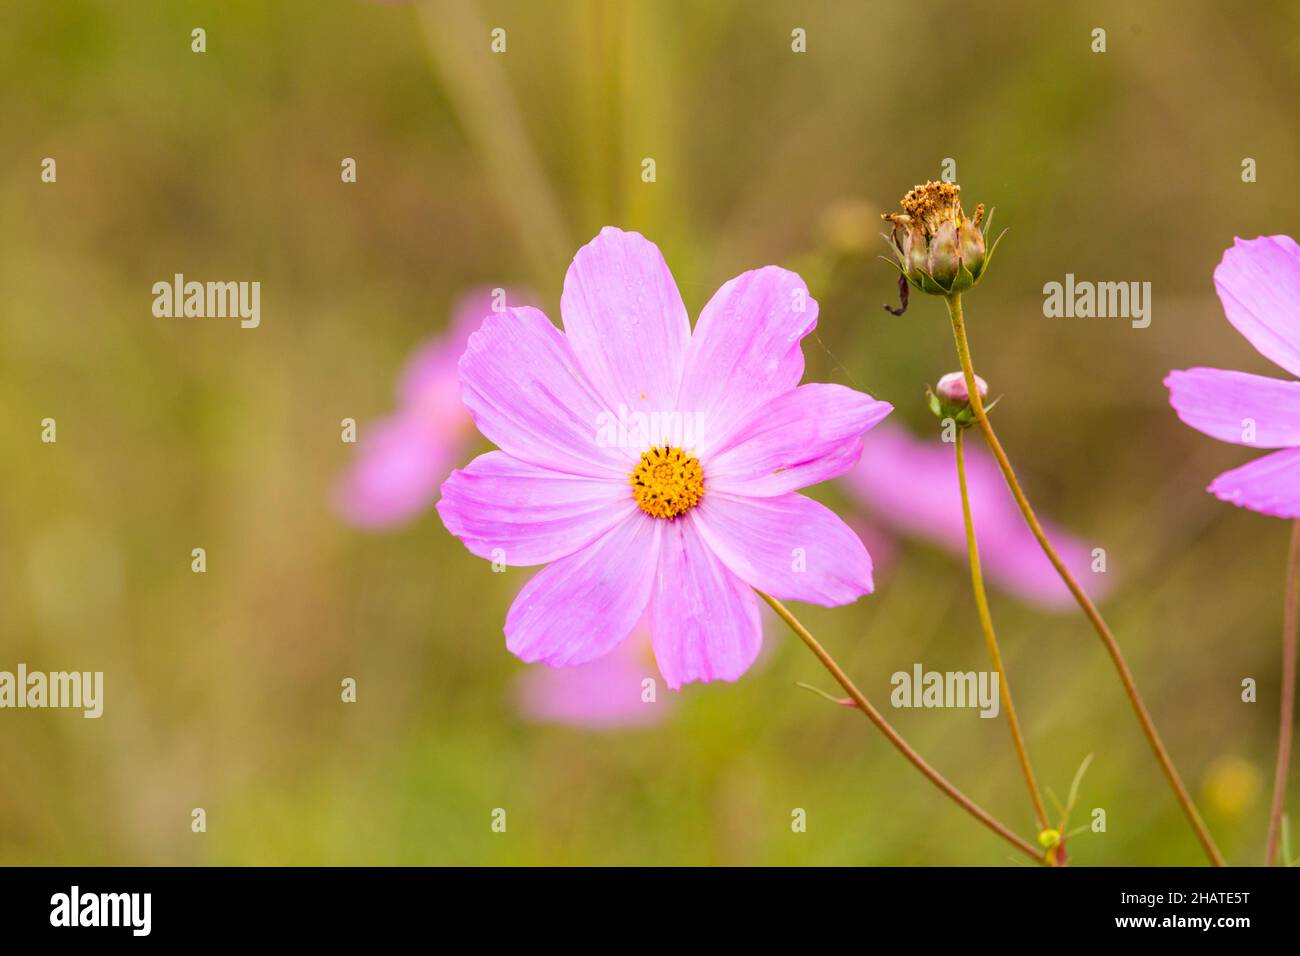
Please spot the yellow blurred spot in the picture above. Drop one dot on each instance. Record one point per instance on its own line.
(850, 226)
(1231, 785)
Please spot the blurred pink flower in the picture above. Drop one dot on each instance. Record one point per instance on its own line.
(606, 694)
(402, 459)
(1258, 283)
(603, 694)
(694, 531)
(910, 486)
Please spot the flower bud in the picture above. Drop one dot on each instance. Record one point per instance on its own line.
(1053, 842)
(950, 399)
(937, 248)
(952, 388)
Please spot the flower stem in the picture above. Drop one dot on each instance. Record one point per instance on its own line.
(1085, 603)
(456, 37)
(864, 705)
(991, 640)
(1290, 617)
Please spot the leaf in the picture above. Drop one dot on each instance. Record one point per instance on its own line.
(842, 701)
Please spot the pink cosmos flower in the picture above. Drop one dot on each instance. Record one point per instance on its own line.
(653, 468)
(1258, 283)
(603, 694)
(402, 459)
(607, 693)
(910, 485)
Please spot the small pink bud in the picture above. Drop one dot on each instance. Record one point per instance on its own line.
(952, 388)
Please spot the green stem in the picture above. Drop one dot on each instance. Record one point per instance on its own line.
(1289, 622)
(991, 640)
(864, 705)
(1084, 602)
(473, 77)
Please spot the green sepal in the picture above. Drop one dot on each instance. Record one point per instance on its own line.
(963, 281)
(962, 415)
(893, 247)
(988, 256)
(988, 222)
(928, 283)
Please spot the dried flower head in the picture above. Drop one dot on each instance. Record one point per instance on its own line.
(937, 248)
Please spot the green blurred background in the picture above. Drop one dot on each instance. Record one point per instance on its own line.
(222, 689)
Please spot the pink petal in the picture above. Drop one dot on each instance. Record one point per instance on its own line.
(1269, 485)
(789, 546)
(809, 434)
(401, 460)
(1222, 404)
(1015, 562)
(603, 694)
(529, 396)
(398, 465)
(581, 606)
(1259, 285)
(432, 368)
(910, 485)
(625, 320)
(745, 349)
(704, 621)
(882, 545)
(508, 510)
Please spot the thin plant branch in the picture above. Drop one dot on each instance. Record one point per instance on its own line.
(991, 640)
(1084, 602)
(1290, 616)
(864, 705)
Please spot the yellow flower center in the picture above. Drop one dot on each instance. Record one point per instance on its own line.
(667, 483)
(931, 205)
